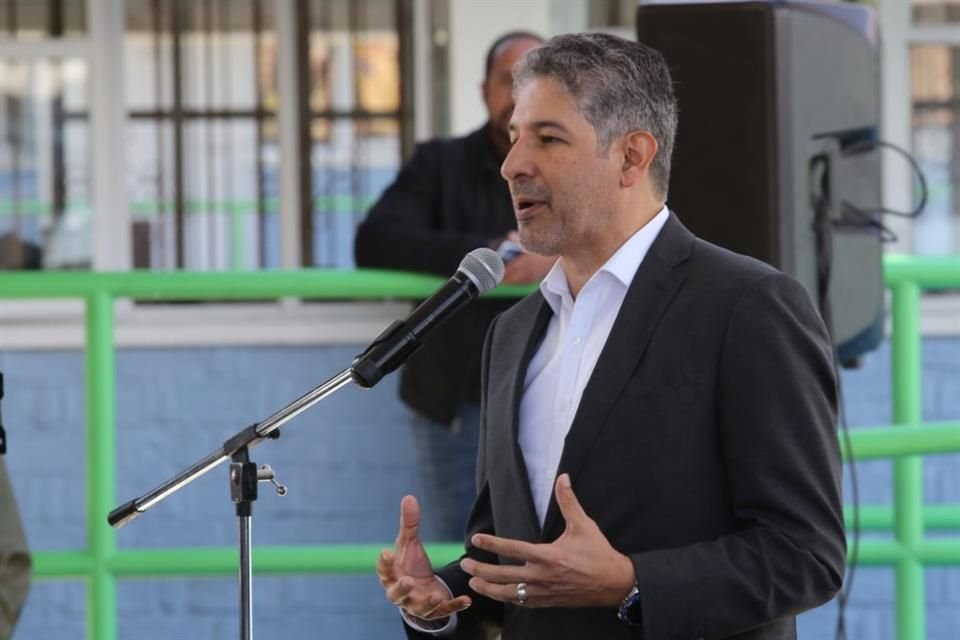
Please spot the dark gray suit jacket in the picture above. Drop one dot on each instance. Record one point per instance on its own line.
(704, 447)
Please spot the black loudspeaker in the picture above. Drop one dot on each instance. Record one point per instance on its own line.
(775, 152)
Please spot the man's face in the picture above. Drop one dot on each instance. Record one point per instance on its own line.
(563, 191)
(498, 86)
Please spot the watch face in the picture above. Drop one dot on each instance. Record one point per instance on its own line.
(629, 612)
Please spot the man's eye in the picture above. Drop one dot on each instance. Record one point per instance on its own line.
(548, 139)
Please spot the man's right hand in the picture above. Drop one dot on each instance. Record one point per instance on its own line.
(407, 576)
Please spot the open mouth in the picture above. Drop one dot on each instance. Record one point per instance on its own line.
(526, 207)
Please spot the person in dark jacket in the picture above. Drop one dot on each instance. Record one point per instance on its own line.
(447, 200)
(658, 455)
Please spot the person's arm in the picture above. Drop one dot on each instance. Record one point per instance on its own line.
(464, 623)
(777, 411)
(405, 227)
(468, 623)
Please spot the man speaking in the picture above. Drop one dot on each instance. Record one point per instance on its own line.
(658, 455)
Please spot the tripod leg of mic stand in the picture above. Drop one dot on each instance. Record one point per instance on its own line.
(246, 580)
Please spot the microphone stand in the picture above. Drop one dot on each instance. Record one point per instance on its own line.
(244, 479)
(480, 270)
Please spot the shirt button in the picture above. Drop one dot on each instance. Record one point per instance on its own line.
(563, 407)
(577, 340)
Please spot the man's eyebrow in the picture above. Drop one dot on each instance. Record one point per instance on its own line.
(552, 124)
(540, 124)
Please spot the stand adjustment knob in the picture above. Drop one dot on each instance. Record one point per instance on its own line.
(265, 474)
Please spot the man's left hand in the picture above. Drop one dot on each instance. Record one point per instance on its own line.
(578, 569)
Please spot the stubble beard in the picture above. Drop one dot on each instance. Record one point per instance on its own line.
(547, 241)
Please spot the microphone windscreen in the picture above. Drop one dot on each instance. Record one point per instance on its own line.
(484, 267)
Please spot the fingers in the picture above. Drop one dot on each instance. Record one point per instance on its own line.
(426, 604)
(506, 592)
(409, 520)
(447, 608)
(399, 592)
(570, 507)
(500, 574)
(385, 568)
(514, 549)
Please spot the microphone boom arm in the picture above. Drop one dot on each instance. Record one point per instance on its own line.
(249, 437)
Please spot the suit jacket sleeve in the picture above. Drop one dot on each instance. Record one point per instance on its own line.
(483, 611)
(777, 416)
(405, 229)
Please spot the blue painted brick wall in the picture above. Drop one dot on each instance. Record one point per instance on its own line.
(347, 463)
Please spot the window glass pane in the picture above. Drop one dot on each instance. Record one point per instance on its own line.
(378, 71)
(148, 51)
(220, 184)
(355, 95)
(44, 165)
(352, 166)
(269, 249)
(74, 17)
(936, 145)
(612, 13)
(201, 95)
(150, 186)
(39, 19)
(935, 11)
(217, 52)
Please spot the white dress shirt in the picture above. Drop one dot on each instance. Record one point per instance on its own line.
(564, 362)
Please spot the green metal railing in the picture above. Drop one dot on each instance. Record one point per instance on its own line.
(100, 564)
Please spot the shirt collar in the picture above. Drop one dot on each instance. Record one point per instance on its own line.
(622, 265)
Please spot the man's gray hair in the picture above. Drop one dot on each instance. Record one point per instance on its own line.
(619, 86)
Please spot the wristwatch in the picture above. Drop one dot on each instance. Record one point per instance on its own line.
(629, 612)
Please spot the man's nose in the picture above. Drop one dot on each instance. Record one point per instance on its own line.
(517, 164)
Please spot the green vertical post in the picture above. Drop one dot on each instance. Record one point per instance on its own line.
(238, 237)
(100, 465)
(908, 471)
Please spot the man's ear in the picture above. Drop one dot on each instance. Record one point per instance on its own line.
(639, 150)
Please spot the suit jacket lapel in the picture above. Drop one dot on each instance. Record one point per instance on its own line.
(653, 287)
(525, 340)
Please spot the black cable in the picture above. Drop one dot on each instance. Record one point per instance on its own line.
(823, 228)
(869, 145)
(856, 217)
(843, 597)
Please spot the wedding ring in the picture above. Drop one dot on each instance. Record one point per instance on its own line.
(521, 593)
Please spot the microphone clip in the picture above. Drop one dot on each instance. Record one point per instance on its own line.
(364, 370)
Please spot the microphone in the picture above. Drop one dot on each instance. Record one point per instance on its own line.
(479, 271)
